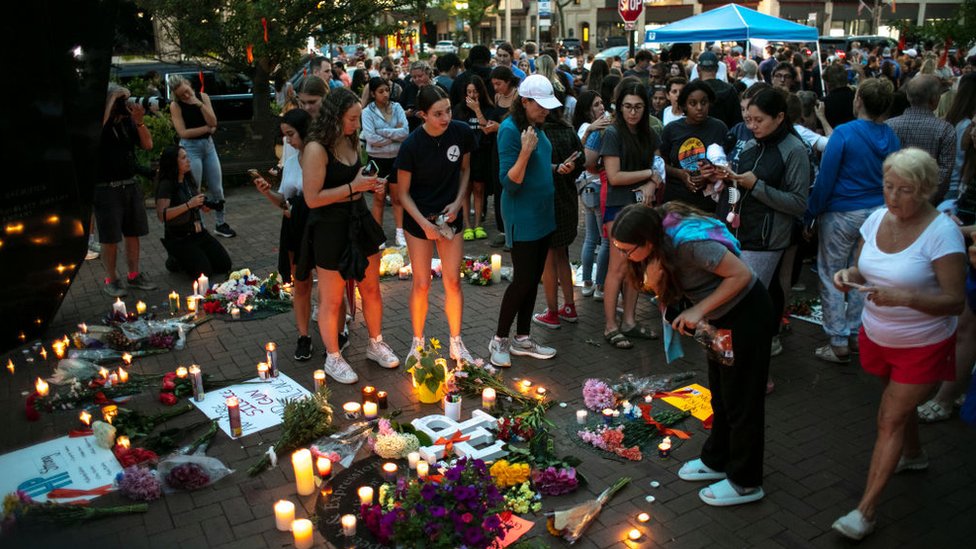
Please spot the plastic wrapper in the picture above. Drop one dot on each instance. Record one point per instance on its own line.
(343, 446)
(629, 386)
(192, 472)
(570, 524)
(717, 342)
(71, 369)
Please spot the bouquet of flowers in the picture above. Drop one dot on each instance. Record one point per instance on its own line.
(599, 395)
(390, 444)
(610, 439)
(144, 334)
(303, 421)
(569, 524)
(521, 499)
(391, 262)
(18, 506)
(139, 484)
(242, 289)
(177, 385)
(555, 481)
(476, 271)
(457, 509)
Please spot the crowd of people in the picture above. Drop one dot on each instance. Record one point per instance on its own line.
(703, 180)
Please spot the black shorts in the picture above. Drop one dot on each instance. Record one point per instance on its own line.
(412, 228)
(119, 211)
(385, 169)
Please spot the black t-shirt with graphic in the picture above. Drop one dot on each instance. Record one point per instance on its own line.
(435, 165)
(682, 146)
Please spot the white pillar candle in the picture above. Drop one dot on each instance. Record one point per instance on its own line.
(581, 417)
(412, 459)
(302, 530)
(352, 410)
(118, 308)
(423, 468)
(284, 514)
(369, 410)
(41, 387)
(203, 284)
(304, 477)
(348, 525)
(496, 268)
(235, 313)
(271, 350)
(488, 398)
(197, 377)
(365, 495)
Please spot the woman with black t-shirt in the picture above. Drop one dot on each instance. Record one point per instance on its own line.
(178, 205)
(480, 113)
(433, 174)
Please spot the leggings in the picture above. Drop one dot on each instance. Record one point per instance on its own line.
(528, 262)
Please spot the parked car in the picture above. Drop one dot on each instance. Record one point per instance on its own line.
(570, 46)
(616, 51)
(445, 46)
(614, 41)
(830, 44)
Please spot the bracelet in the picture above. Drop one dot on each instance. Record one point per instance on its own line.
(350, 189)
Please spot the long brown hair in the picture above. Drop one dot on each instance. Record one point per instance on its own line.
(327, 128)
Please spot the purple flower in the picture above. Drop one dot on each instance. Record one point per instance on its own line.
(473, 537)
(437, 511)
(597, 395)
(465, 493)
(428, 491)
(555, 482)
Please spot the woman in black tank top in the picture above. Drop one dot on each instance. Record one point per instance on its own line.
(341, 234)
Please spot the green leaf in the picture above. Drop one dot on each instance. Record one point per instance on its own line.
(419, 377)
(432, 384)
(424, 438)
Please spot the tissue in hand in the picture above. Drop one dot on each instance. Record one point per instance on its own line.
(716, 155)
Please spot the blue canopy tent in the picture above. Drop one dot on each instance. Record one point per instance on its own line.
(732, 22)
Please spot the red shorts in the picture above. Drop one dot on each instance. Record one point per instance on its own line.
(913, 365)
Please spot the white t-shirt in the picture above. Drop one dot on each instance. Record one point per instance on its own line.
(668, 116)
(291, 177)
(911, 268)
(815, 140)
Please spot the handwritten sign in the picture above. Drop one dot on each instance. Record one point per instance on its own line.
(262, 403)
(699, 401)
(66, 462)
(518, 526)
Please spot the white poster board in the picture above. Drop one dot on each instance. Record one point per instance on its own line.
(66, 462)
(262, 403)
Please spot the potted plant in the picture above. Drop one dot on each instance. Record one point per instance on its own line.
(428, 372)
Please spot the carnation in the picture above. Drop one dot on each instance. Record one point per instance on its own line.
(597, 395)
(390, 446)
(139, 484)
(188, 476)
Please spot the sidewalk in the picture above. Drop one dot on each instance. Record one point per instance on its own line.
(820, 425)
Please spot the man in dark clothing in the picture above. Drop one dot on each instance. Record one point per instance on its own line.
(766, 66)
(642, 67)
(726, 107)
(839, 102)
(448, 66)
(475, 64)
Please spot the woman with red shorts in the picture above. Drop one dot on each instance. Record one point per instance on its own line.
(911, 266)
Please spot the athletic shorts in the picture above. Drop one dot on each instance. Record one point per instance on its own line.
(912, 365)
(119, 211)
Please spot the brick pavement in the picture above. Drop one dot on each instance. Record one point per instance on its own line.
(820, 427)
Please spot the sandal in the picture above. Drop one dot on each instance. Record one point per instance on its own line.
(618, 340)
(723, 494)
(829, 354)
(696, 469)
(640, 331)
(933, 412)
(468, 234)
(480, 233)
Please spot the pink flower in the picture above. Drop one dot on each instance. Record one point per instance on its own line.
(597, 395)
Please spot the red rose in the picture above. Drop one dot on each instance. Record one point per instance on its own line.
(100, 398)
(168, 399)
(169, 376)
(168, 385)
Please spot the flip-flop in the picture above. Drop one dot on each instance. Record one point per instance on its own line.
(724, 495)
(933, 412)
(640, 331)
(696, 470)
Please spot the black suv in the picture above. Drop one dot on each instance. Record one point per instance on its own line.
(570, 46)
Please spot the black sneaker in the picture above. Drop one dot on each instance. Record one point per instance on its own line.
(303, 351)
(142, 282)
(498, 241)
(114, 288)
(224, 230)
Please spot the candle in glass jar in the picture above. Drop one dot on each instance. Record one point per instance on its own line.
(141, 308)
(301, 529)
(412, 459)
(365, 495)
(181, 372)
(643, 517)
(382, 398)
(41, 387)
(664, 448)
(263, 371)
(191, 303)
(369, 394)
(58, 347)
(324, 466)
(348, 525)
(390, 471)
(301, 461)
(235, 313)
(197, 377)
(174, 302)
(423, 468)
(85, 418)
(581, 417)
(540, 392)
(496, 268)
(118, 308)
(319, 378)
(247, 309)
(488, 398)
(284, 514)
(525, 385)
(271, 351)
(351, 409)
(127, 359)
(607, 415)
(234, 416)
(123, 375)
(123, 442)
(369, 410)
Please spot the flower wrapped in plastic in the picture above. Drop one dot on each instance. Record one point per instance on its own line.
(139, 484)
(553, 481)
(570, 524)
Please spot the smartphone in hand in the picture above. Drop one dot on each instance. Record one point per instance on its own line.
(572, 158)
(370, 169)
(254, 174)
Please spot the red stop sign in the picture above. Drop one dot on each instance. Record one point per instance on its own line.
(630, 10)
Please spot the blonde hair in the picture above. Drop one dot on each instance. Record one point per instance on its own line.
(546, 66)
(916, 167)
(175, 81)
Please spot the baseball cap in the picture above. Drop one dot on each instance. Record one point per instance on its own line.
(911, 52)
(886, 52)
(707, 60)
(539, 89)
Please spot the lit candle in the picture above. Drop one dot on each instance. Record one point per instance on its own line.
(525, 385)
(422, 469)
(122, 442)
(348, 525)
(127, 359)
(181, 372)
(634, 534)
(616, 414)
(496, 268)
(10, 366)
(174, 302)
(43, 353)
(271, 351)
(648, 399)
(541, 392)
(284, 514)
(369, 410)
(85, 418)
(301, 461)
(390, 471)
(113, 379)
(324, 466)
(41, 387)
(235, 313)
(365, 495)
(412, 459)
(581, 417)
(643, 517)
(382, 398)
(301, 529)
(118, 308)
(203, 284)
(234, 416)
(263, 371)
(488, 398)
(123, 375)
(196, 287)
(318, 376)
(197, 376)
(664, 448)
(607, 415)
(58, 347)
(191, 303)
(109, 412)
(369, 394)
(351, 409)
(141, 307)
(103, 372)
(247, 309)
(83, 327)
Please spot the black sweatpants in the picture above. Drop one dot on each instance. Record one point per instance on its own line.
(528, 262)
(736, 443)
(199, 253)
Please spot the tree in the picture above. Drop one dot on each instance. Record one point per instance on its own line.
(961, 28)
(471, 11)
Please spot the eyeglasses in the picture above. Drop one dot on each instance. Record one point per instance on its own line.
(625, 251)
(633, 108)
(782, 75)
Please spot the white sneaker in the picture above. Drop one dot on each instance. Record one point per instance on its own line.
(853, 525)
(415, 346)
(381, 353)
(401, 240)
(598, 295)
(498, 348)
(776, 347)
(340, 370)
(587, 291)
(459, 352)
(527, 347)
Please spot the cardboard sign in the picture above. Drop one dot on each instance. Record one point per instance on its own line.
(699, 401)
(76, 463)
(262, 403)
(519, 526)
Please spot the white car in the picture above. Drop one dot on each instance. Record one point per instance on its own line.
(445, 46)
